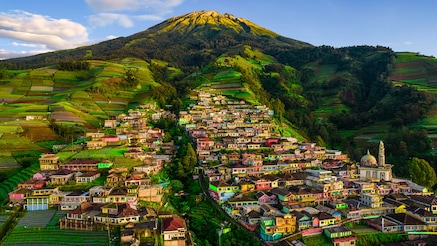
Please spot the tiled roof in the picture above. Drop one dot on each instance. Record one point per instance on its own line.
(430, 200)
(63, 172)
(324, 216)
(405, 219)
(125, 211)
(172, 224)
(89, 174)
(241, 199)
(82, 161)
(254, 214)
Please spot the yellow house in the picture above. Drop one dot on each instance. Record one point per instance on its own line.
(49, 162)
(247, 186)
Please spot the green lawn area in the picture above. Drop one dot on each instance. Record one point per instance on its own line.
(377, 238)
(319, 240)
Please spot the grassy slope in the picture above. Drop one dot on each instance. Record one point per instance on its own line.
(28, 92)
(421, 72)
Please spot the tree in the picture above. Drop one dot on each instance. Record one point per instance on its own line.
(176, 185)
(421, 172)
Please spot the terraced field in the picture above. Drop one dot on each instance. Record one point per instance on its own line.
(42, 228)
(21, 236)
(10, 184)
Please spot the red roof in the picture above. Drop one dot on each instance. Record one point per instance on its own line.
(205, 140)
(173, 224)
(344, 239)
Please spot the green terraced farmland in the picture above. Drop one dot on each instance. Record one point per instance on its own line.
(20, 236)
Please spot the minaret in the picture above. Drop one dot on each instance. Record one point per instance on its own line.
(381, 155)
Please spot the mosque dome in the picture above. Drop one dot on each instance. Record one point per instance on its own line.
(368, 159)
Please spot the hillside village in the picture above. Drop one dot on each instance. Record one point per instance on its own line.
(273, 185)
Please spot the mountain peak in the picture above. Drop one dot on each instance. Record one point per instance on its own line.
(200, 19)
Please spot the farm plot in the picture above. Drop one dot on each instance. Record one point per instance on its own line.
(8, 162)
(36, 219)
(38, 134)
(23, 237)
(15, 142)
(66, 116)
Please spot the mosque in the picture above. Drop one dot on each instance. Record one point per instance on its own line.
(372, 170)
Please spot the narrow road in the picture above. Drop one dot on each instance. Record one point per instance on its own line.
(233, 221)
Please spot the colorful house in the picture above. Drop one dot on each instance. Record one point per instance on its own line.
(323, 219)
(39, 199)
(61, 177)
(32, 184)
(247, 186)
(303, 220)
(117, 214)
(239, 202)
(274, 228)
(262, 184)
(87, 177)
(81, 165)
(174, 231)
(222, 191)
(337, 232)
(49, 162)
(266, 197)
(18, 195)
(74, 199)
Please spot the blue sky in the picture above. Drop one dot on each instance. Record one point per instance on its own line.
(29, 27)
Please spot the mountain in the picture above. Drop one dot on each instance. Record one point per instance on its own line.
(187, 40)
(345, 98)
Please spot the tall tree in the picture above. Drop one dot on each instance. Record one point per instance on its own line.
(421, 172)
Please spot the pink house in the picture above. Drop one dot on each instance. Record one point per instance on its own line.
(110, 138)
(266, 197)
(18, 195)
(39, 176)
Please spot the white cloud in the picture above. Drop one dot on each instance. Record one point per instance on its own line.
(104, 19)
(42, 30)
(6, 54)
(111, 37)
(408, 43)
(16, 44)
(108, 11)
